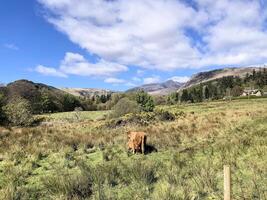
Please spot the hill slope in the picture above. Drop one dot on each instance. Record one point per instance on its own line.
(158, 88)
(87, 92)
(39, 95)
(219, 73)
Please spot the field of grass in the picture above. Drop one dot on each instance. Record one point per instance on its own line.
(85, 159)
(78, 116)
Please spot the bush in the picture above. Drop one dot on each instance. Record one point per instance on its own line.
(124, 106)
(165, 115)
(18, 112)
(145, 101)
(143, 118)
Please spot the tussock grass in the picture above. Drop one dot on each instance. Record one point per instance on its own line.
(86, 160)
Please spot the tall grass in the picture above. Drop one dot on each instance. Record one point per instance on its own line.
(86, 160)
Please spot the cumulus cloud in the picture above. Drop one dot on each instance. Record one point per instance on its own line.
(114, 80)
(153, 79)
(76, 64)
(180, 79)
(164, 34)
(49, 71)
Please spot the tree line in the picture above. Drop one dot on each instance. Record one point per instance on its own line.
(220, 88)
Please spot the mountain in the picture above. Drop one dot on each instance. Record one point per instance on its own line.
(158, 88)
(219, 73)
(87, 92)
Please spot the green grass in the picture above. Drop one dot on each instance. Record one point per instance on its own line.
(82, 159)
(82, 115)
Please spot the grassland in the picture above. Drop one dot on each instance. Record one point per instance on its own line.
(75, 116)
(84, 159)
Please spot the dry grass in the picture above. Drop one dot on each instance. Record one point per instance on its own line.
(55, 160)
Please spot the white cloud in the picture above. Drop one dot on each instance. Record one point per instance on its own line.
(180, 79)
(48, 71)
(153, 79)
(114, 80)
(155, 34)
(11, 46)
(76, 64)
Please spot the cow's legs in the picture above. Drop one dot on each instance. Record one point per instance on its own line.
(143, 145)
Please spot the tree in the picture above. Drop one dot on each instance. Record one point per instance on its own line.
(18, 112)
(253, 74)
(206, 92)
(2, 116)
(237, 91)
(185, 96)
(145, 101)
(173, 98)
(47, 104)
(70, 102)
(124, 106)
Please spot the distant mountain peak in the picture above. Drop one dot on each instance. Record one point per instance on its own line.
(87, 92)
(163, 88)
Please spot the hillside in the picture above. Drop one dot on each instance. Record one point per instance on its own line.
(158, 88)
(219, 73)
(87, 92)
(43, 98)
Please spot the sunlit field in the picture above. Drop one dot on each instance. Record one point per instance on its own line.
(78, 155)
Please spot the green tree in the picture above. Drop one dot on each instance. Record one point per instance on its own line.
(124, 106)
(145, 101)
(173, 98)
(237, 91)
(18, 112)
(2, 116)
(206, 92)
(185, 96)
(47, 104)
(70, 102)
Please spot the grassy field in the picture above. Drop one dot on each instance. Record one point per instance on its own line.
(75, 116)
(82, 158)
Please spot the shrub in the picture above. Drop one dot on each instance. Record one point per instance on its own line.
(124, 106)
(18, 112)
(145, 101)
(142, 118)
(165, 115)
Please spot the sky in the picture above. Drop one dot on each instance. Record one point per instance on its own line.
(119, 44)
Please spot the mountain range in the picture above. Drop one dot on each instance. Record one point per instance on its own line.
(87, 92)
(170, 86)
(28, 88)
(164, 88)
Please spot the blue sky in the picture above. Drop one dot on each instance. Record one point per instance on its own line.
(120, 44)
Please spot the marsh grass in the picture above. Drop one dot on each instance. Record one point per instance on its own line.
(86, 160)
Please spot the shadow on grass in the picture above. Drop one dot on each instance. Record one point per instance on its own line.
(150, 149)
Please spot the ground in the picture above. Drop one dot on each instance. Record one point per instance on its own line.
(76, 156)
